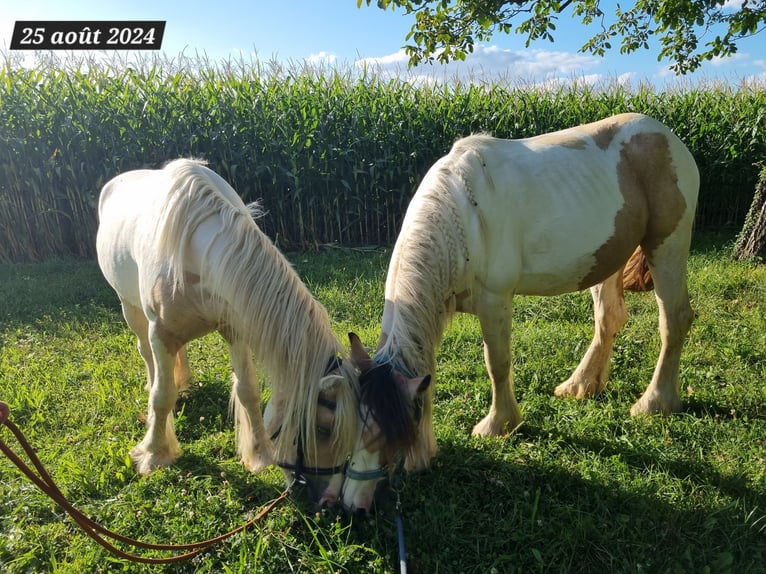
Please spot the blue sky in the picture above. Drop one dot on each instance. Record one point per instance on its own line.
(336, 32)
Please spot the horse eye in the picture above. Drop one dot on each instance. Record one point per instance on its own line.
(324, 432)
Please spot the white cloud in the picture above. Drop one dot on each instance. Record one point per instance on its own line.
(489, 63)
(627, 79)
(322, 58)
(718, 61)
(396, 60)
(758, 77)
(733, 5)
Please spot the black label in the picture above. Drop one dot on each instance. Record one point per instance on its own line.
(85, 35)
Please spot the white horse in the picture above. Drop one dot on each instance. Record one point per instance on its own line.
(185, 257)
(539, 216)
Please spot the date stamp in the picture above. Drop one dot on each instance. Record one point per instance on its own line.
(88, 35)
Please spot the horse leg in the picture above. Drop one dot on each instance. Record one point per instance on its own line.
(668, 267)
(138, 323)
(160, 446)
(610, 314)
(181, 371)
(253, 444)
(504, 414)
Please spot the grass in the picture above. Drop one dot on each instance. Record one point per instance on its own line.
(582, 487)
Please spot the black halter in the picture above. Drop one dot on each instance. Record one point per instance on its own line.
(299, 469)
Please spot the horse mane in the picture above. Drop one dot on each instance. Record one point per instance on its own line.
(430, 251)
(389, 409)
(267, 305)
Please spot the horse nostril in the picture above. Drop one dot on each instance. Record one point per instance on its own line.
(360, 513)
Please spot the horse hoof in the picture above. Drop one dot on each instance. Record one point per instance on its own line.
(146, 461)
(576, 389)
(328, 500)
(491, 427)
(655, 405)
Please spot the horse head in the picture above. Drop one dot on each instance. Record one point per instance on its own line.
(323, 443)
(390, 408)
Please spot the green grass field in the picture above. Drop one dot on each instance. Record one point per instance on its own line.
(582, 487)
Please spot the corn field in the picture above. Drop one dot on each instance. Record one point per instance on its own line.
(334, 155)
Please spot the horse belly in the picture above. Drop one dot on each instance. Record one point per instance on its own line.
(182, 317)
(116, 259)
(559, 262)
(565, 280)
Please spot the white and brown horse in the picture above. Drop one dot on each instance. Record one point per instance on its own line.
(539, 216)
(185, 257)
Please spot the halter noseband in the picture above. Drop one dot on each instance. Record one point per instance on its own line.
(299, 469)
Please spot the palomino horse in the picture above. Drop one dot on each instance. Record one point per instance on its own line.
(185, 257)
(540, 216)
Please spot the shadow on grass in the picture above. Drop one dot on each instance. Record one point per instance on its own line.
(56, 295)
(475, 513)
(714, 241)
(31, 292)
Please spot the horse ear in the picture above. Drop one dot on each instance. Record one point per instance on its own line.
(330, 383)
(360, 356)
(418, 385)
(352, 336)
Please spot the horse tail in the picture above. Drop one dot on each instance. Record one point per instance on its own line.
(636, 275)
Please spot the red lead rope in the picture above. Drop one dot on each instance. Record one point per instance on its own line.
(45, 483)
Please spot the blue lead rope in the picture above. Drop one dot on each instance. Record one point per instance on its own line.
(397, 483)
(396, 478)
(400, 536)
(386, 360)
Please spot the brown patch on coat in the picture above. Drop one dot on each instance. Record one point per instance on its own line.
(601, 132)
(566, 138)
(191, 278)
(653, 204)
(604, 131)
(392, 426)
(646, 163)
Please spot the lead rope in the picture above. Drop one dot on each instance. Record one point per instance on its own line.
(400, 536)
(43, 480)
(397, 485)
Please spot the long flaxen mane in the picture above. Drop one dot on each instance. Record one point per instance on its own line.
(268, 306)
(389, 410)
(429, 252)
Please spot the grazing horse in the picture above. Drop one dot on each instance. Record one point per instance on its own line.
(545, 215)
(186, 258)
